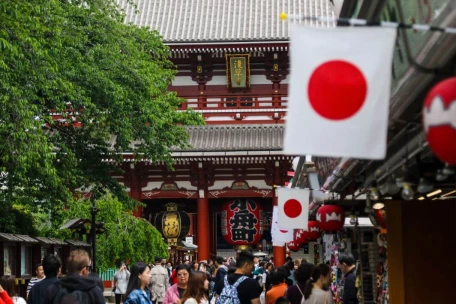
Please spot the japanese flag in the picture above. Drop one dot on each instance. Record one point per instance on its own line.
(293, 208)
(339, 91)
(280, 235)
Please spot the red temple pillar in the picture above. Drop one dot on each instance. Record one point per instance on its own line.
(202, 232)
(135, 191)
(278, 252)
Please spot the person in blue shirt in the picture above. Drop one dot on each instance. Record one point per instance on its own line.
(137, 291)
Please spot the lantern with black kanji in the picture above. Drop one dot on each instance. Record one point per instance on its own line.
(313, 232)
(173, 224)
(241, 222)
(330, 218)
(293, 246)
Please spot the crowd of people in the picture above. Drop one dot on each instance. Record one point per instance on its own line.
(244, 280)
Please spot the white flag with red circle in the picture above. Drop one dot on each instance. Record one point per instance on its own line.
(339, 91)
(293, 211)
(280, 235)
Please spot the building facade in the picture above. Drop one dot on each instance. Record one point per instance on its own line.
(233, 68)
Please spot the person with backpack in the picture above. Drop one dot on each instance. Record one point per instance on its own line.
(239, 287)
(52, 267)
(137, 291)
(76, 287)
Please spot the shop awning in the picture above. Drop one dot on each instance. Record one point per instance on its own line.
(50, 241)
(77, 243)
(17, 238)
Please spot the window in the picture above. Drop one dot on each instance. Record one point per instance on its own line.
(231, 101)
(8, 256)
(26, 260)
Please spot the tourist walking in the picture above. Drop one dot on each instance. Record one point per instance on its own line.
(176, 292)
(137, 292)
(316, 289)
(4, 297)
(197, 289)
(302, 275)
(39, 277)
(348, 268)
(159, 281)
(8, 282)
(77, 279)
(52, 266)
(120, 282)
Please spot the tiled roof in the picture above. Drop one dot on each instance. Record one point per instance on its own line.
(223, 20)
(77, 243)
(50, 240)
(235, 138)
(17, 238)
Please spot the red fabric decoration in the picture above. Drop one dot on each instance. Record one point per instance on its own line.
(293, 246)
(241, 222)
(439, 120)
(314, 231)
(330, 218)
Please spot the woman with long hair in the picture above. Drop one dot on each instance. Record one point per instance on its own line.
(8, 282)
(195, 266)
(137, 292)
(4, 297)
(317, 290)
(302, 275)
(176, 292)
(197, 289)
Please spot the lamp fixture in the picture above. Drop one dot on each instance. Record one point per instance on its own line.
(373, 191)
(441, 176)
(434, 193)
(391, 186)
(424, 186)
(378, 206)
(407, 192)
(421, 198)
(448, 170)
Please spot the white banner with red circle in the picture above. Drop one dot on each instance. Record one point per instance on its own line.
(339, 92)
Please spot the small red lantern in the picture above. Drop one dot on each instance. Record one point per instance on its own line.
(439, 120)
(241, 222)
(313, 232)
(330, 218)
(298, 236)
(293, 246)
(381, 217)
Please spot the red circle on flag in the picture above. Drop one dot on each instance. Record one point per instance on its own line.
(337, 89)
(292, 208)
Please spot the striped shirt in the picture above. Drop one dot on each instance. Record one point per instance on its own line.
(32, 282)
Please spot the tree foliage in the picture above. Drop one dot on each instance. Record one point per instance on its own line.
(126, 237)
(77, 87)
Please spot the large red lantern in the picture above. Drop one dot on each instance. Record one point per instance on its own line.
(313, 232)
(439, 120)
(330, 218)
(293, 246)
(241, 222)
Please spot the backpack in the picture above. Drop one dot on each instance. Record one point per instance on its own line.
(229, 293)
(67, 296)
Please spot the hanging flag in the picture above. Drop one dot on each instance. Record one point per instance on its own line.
(280, 235)
(293, 211)
(339, 91)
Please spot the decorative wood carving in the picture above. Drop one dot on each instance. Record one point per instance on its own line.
(201, 68)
